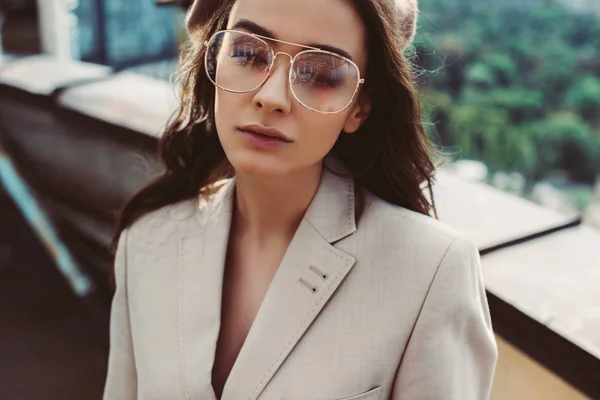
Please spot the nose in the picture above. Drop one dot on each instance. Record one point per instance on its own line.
(273, 95)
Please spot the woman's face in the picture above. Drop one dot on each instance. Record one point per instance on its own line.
(311, 135)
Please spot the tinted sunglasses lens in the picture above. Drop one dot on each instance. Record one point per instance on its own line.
(237, 61)
(324, 82)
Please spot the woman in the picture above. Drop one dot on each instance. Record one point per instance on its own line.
(288, 252)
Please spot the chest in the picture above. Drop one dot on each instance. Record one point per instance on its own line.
(246, 279)
(175, 323)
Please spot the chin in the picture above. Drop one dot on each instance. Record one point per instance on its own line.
(254, 163)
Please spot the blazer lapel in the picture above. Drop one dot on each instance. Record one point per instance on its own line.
(310, 272)
(201, 266)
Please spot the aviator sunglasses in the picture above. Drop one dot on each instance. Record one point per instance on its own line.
(241, 62)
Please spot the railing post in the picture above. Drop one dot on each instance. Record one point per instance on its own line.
(58, 26)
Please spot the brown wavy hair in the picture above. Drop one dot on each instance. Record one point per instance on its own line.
(390, 155)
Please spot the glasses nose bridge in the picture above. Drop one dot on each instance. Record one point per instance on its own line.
(284, 53)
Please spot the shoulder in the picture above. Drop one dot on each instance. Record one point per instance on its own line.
(395, 233)
(172, 214)
(182, 218)
(184, 215)
(399, 221)
(162, 226)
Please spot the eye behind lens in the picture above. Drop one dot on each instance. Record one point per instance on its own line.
(321, 81)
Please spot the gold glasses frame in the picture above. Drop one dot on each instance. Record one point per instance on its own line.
(291, 72)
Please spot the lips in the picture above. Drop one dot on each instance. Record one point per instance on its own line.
(267, 132)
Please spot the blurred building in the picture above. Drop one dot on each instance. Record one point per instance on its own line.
(98, 31)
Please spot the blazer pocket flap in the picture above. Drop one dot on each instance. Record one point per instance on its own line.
(372, 394)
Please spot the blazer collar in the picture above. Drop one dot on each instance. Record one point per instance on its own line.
(309, 273)
(331, 212)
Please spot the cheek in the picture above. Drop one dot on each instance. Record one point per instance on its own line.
(320, 132)
(223, 104)
(320, 127)
(228, 105)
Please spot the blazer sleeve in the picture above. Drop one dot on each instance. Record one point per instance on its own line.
(121, 378)
(452, 352)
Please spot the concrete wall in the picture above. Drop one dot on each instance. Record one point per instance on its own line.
(518, 377)
(56, 28)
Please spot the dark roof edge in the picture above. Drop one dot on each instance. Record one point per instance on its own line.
(577, 221)
(556, 353)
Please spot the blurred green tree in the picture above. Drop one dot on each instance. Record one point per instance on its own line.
(515, 84)
(584, 97)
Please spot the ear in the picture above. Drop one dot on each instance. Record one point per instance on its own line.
(359, 114)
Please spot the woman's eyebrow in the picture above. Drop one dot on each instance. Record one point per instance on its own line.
(331, 49)
(253, 27)
(259, 30)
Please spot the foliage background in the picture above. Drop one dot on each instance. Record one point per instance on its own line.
(515, 84)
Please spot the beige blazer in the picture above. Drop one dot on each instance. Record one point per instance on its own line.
(387, 305)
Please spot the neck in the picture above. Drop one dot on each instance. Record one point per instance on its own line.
(271, 208)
